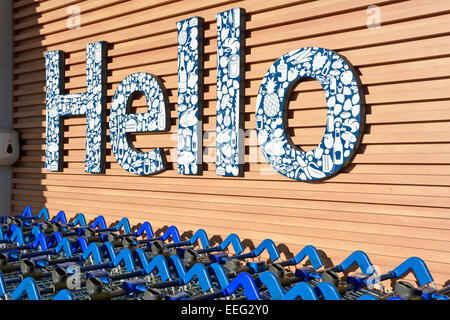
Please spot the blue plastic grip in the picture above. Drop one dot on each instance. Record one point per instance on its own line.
(272, 284)
(44, 213)
(64, 245)
(197, 269)
(17, 235)
(234, 240)
(245, 281)
(64, 295)
(124, 256)
(147, 228)
(301, 289)
(361, 259)
(26, 212)
(271, 248)
(41, 241)
(202, 236)
(158, 262)
(79, 219)
(172, 231)
(60, 217)
(2, 285)
(221, 275)
(80, 243)
(92, 250)
(310, 252)
(27, 287)
(419, 268)
(125, 223)
(99, 222)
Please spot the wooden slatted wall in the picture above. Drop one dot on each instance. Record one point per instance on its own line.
(392, 201)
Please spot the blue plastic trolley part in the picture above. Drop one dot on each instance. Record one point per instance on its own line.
(79, 220)
(173, 232)
(87, 251)
(200, 235)
(28, 288)
(308, 251)
(357, 281)
(198, 273)
(197, 270)
(266, 244)
(14, 234)
(243, 280)
(146, 228)
(100, 224)
(39, 242)
(422, 274)
(159, 263)
(42, 245)
(60, 217)
(415, 264)
(27, 214)
(125, 256)
(276, 291)
(232, 239)
(358, 257)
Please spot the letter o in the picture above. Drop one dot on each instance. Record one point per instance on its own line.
(345, 114)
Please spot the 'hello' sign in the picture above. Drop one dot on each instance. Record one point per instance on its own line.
(344, 125)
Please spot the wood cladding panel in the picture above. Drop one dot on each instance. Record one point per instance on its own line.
(392, 201)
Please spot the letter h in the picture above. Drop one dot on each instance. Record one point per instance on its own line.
(91, 103)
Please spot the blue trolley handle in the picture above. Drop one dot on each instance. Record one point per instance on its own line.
(125, 224)
(197, 269)
(26, 212)
(276, 291)
(17, 235)
(418, 267)
(232, 239)
(29, 287)
(308, 251)
(99, 222)
(245, 281)
(60, 217)
(27, 215)
(200, 234)
(64, 295)
(2, 285)
(147, 228)
(268, 245)
(172, 231)
(79, 219)
(360, 258)
(158, 262)
(124, 256)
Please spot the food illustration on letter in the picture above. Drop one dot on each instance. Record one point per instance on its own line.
(230, 77)
(344, 119)
(121, 123)
(91, 103)
(190, 95)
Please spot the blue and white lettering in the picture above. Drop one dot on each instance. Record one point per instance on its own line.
(91, 103)
(190, 95)
(121, 123)
(345, 120)
(230, 92)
